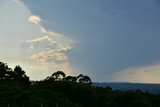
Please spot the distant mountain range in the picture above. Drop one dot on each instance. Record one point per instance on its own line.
(124, 86)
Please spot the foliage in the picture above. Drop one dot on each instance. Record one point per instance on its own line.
(17, 75)
(57, 76)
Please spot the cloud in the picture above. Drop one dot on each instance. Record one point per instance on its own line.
(34, 19)
(43, 30)
(38, 50)
(47, 51)
(50, 50)
(38, 45)
(49, 57)
(18, 1)
(143, 74)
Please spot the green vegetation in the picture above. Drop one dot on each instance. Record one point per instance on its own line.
(59, 90)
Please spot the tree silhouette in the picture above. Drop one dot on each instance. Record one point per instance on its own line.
(84, 79)
(17, 75)
(70, 79)
(5, 71)
(57, 76)
(20, 76)
(19, 72)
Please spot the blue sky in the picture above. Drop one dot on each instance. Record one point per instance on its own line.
(109, 40)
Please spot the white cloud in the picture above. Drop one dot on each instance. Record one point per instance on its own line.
(49, 57)
(38, 45)
(46, 50)
(49, 50)
(46, 43)
(143, 74)
(43, 30)
(34, 19)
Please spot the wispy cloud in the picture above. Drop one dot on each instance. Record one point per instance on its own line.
(18, 1)
(34, 19)
(144, 74)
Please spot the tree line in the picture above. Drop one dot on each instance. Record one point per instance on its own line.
(18, 75)
(59, 90)
(61, 76)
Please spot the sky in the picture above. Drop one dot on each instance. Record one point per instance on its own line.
(108, 40)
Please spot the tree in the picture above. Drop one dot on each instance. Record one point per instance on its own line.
(84, 79)
(19, 72)
(70, 79)
(20, 76)
(5, 71)
(57, 76)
